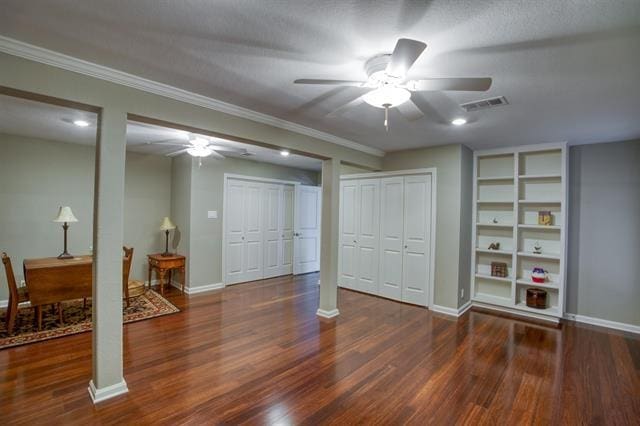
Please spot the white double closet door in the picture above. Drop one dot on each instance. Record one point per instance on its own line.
(385, 237)
(259, 220)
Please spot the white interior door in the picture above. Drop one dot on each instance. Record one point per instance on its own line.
(368, 238)
(273, 204)
(244, 233)
(288, 197)
(253, 231)
(234, 238)
(391, 236)
(306, 247)
(417, 239)
(347, 265)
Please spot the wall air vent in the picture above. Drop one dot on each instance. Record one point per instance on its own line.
(485, 103)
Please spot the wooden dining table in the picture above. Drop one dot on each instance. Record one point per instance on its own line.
(51, 280)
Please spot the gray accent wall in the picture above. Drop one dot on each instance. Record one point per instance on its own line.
(604, 231)
(449, 253)
(39, 175)
(203, 238)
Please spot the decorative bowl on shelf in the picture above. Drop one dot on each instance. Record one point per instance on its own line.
(538, 275)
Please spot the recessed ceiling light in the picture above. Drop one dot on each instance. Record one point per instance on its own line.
(459, 122)
(284, 153)
(81, 123)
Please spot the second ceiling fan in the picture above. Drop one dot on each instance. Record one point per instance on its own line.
(389, 87)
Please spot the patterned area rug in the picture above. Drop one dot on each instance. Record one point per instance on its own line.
(76, 319)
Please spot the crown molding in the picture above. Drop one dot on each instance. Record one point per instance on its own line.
(69, 63)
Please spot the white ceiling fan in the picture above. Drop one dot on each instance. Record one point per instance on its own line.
(391, 89)
(198, 146)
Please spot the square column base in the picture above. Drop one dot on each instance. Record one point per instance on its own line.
(327, 314)
(99, 395)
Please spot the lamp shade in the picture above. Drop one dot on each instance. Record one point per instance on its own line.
(65, 215)
(167, 225)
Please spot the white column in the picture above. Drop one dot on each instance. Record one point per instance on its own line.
(108, 212)
(329, 239)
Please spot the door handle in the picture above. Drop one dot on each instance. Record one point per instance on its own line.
(406, 246)
(355, 242)
(243, 238)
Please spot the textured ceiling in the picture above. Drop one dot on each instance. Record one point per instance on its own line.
(569, 68)
(38, 120)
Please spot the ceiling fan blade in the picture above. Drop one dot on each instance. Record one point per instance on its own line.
(410, 111)
(219, 148)
(217, 155)
(342, 109)
(330, 82)
(459, 84)
(176, 153)
(404, 55)
(173, 142)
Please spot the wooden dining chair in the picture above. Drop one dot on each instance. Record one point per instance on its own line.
(17, 294)
(131, 288)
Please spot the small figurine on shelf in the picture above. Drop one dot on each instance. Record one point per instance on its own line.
(494, 220)
(494, 246)
(538, 275)
(537, 248)
(545, 218)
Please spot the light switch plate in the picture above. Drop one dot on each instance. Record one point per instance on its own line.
(212, 214)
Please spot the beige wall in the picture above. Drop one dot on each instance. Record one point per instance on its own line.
(448, 162)
(40, 175)
(204, 242)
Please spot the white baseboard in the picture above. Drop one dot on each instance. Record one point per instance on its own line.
(464, 308)
(603, 323)
(517, 312)
(451, 311)
(198, 289)
(327, 314)
(108, 392)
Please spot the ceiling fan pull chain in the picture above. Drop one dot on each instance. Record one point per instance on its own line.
(386, 117)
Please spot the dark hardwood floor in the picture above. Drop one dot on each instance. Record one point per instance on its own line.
(257, 353)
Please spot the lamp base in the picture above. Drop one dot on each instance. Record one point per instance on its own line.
(166, 254)
(65, 255)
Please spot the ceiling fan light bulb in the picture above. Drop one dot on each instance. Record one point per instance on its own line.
(459, 122)
(200, 151)
(387, 96)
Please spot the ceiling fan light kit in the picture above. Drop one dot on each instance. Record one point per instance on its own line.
(389, 86)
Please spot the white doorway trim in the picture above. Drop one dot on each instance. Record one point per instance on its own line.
(434, 208)
(228, 176)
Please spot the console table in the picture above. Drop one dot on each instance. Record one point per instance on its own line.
(163, 264)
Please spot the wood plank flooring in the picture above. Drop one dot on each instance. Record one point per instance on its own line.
(257, 354)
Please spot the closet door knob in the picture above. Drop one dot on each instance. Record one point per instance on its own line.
(406, 246)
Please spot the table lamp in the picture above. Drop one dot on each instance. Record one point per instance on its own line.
(65, 216)
(167, 226)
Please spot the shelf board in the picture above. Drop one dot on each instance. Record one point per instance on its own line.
(494, 300)
(500, 252)
(540, 201)
(552, 310)
(494, 202)
(539, 256)
(550, 176)
(494, 225)
(548, 284)
(489, 277)
(493, 178)
(542, 227)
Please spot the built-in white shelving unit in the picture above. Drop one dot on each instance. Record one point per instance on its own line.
(510, 187)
